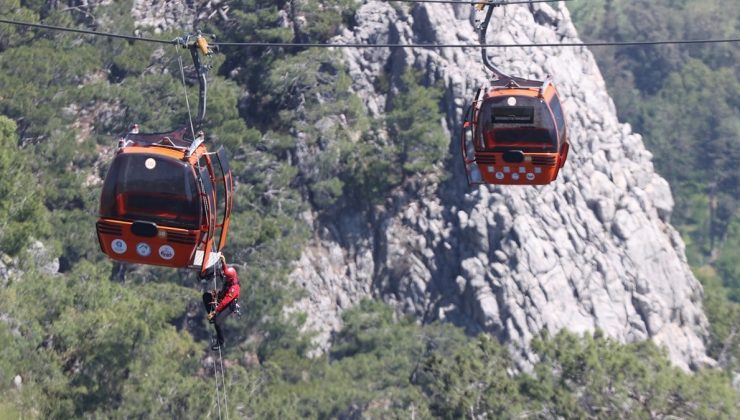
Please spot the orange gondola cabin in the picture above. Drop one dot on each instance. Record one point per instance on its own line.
(166, 201)
(518, 133)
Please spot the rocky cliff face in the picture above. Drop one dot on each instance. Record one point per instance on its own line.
(594, 250)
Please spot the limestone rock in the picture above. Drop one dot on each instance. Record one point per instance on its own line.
(8, 269)
(592, 250)
(42, 258)
(184, 15)
(163, 15)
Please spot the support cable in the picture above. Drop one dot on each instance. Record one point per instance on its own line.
(86, 32)
(565, 44)
(388, 45)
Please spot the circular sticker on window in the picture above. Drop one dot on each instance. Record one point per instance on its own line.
(166, 252)
(143, 249)
(511, 101)
(118, 246)
(150, 163)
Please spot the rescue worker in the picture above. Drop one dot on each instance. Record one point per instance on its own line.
(222, 304)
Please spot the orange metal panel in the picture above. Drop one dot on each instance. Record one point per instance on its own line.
(171, 247)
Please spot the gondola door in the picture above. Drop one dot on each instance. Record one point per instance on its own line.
(224, 182)
(204, 257)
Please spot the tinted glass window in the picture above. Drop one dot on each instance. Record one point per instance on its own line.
(512, 114)
(522, 136)
(520, 122)
(557, 111)
(153, 188)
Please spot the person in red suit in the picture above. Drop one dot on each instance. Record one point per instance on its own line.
(223, 303)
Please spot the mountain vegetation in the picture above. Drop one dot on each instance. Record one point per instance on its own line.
(685, 101)
(105, 340)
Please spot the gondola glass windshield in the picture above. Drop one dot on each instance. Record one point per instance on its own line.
(142, 186)
(518, 122)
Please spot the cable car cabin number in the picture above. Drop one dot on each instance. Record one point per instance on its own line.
(514, 133)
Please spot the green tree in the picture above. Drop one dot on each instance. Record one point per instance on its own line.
(684, 100)
(724, 318)
(474, 381)
(368, 371)
(22, 214)
(11, 35)
(415, 124)
(594, 376)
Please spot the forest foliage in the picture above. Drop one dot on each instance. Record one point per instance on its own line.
(101, 339)
(685, 101)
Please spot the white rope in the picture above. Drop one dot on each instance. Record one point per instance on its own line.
(223, 381)
(215, 368)
(218, 396)
(221, 359)
(187, 101)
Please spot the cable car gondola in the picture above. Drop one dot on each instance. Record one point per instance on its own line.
(518, 133)
(517, 129)
(166, 200)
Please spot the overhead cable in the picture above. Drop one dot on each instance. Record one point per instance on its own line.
(87, 32)
(382, 45)
(565, 44)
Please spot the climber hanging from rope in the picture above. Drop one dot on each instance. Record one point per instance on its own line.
(220, 304)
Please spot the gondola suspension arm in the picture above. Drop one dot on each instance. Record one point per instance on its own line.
(197, 47)
(482, 29)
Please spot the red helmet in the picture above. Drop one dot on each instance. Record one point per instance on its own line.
(230, 274)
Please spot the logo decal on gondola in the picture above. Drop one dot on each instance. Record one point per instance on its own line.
(530, 176)
(499, 175)
(515, 176)
(150, 163)
(166, 252)
(143, 249)
(118, 246)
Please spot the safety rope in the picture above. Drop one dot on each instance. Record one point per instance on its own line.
(187, 101)
(215, 369)
(221, 359)
(218, 396)
(223, 382)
